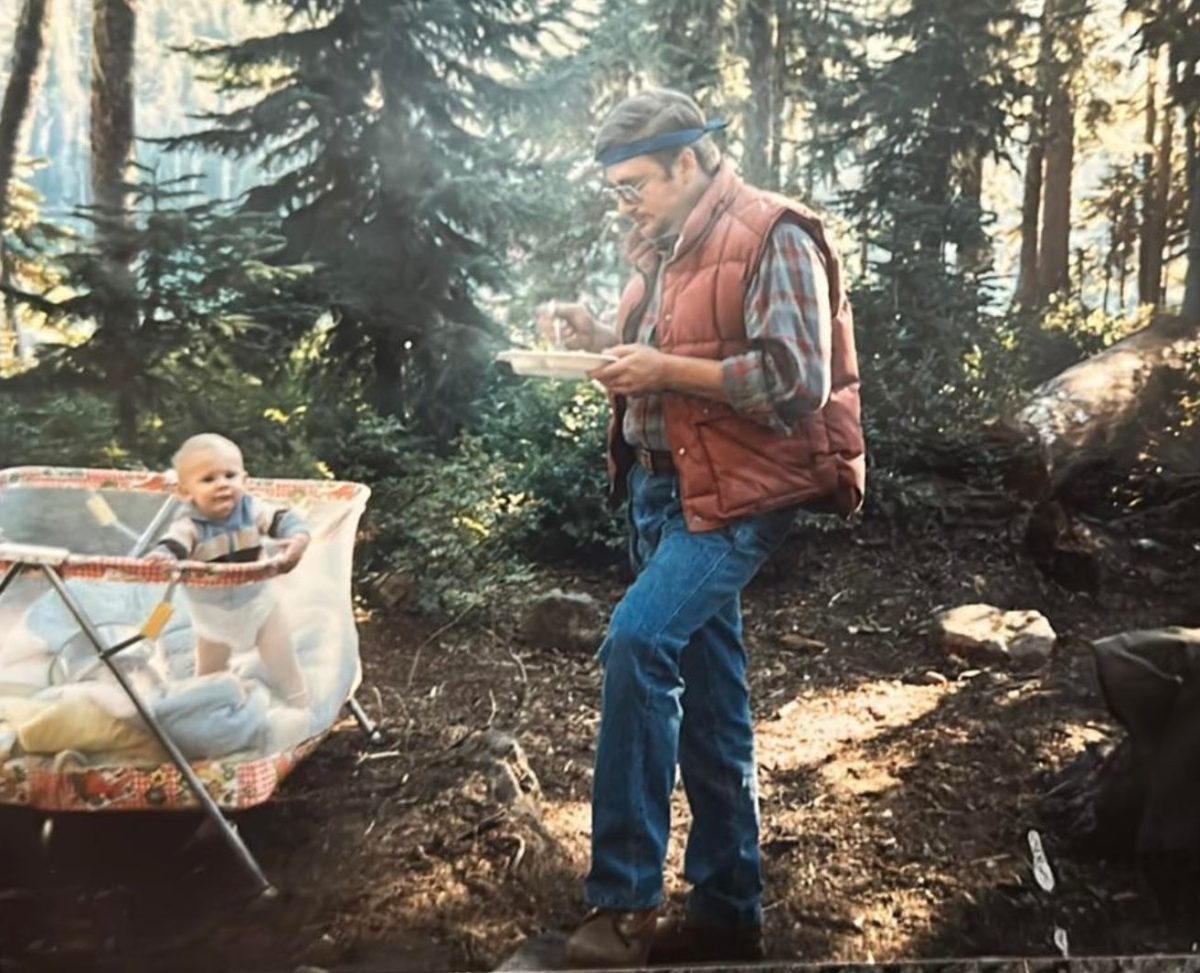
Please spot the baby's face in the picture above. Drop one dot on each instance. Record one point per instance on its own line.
(212, 481)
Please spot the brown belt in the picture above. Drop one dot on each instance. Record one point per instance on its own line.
(656, 461)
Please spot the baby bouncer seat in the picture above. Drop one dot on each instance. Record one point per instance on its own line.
(99, 705)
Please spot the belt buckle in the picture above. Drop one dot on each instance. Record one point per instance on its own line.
(655, 463)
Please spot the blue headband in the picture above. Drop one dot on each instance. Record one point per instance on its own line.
(667, 140)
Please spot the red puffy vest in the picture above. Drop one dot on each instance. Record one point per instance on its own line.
(730, 466)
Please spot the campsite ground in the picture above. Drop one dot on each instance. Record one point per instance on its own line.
(897, 789)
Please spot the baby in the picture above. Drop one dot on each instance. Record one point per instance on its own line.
(223, 523)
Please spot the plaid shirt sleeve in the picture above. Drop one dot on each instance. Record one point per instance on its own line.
(786, 372)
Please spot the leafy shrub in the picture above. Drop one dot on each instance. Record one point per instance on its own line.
(56, 430)
(440, 522)
(927, 375)
(939, 375)
(550, 440)
(526, 482)
(46, 426)
(267, 420)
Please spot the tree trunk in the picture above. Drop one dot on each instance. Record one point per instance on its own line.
(759, 47)
(1028, 294)
(1107, 283)
(1147, 221)
(779, 77)
(1156, 173)
(1028, 287)
(1162, 200)
(1191, 285)
(113, 33)
(29, 45)
(974, 252)
(388, 391)
(1055, 247)
(937, 168)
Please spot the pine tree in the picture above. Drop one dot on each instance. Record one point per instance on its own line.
(1173, 26)
(385, 123)
(1116, 205)
(1190, 309)
(929, 115)
(794, 53)
(205, 301)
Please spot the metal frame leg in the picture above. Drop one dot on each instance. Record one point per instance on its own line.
(161, 517)
(177, 758)
(9, 576)
(365, 723)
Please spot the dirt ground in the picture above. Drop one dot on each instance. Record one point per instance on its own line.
(897, 790)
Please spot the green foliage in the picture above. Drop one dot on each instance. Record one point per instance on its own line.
(928, 115)
(550, 439)
(386, 128)
(198, 309)
(1090, 329)
(56, 430)
(526, 482)
(674, 43)
(919, 390)
(431, 517)
(266, 419)
(44, 427)
(930, 370)
(439, 521)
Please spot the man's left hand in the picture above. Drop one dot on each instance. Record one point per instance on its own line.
(638, 369)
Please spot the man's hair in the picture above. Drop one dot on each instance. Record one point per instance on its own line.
(204, 440)
(654, 112)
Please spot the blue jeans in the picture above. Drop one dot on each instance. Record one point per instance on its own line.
(675, 691)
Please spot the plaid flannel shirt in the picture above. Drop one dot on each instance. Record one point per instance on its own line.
(786, 372)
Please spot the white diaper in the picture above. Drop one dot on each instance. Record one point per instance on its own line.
(232, 616)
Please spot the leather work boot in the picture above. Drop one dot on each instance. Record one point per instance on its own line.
(680, 940)
(608, 938)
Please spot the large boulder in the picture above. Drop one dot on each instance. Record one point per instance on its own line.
(986, 635)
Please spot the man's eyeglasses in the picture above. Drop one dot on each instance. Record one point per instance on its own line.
(628, 192)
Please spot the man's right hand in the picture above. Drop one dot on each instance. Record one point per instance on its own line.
(576, 329)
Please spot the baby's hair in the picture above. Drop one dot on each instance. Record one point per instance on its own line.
(204, 440)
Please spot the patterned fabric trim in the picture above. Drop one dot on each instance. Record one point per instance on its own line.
(36, 782)
(192, 573)
(73, 478)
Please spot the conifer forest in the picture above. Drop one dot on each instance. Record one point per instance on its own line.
(311, 226)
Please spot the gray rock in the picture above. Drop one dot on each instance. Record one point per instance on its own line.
(391, 588)
(983, 634)
(573, 621)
